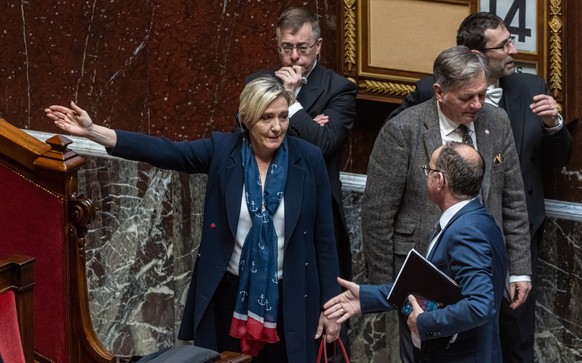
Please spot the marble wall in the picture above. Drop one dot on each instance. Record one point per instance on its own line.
(140, 251)
(172, 67)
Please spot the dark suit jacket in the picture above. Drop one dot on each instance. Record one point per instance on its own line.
(310, 261)
(471, 251)
(537, 150)
(396, 214)
(326, 92)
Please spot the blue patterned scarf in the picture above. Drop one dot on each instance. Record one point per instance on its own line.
(254, 320)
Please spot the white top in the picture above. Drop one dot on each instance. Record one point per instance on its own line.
(243, 228)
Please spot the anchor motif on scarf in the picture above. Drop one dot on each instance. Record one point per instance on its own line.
(254, 320)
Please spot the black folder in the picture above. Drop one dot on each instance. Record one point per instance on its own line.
(421, 278)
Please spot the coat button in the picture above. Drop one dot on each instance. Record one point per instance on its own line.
(212, 225)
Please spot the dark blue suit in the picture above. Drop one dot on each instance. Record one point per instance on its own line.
(310, 263)
(471, 251)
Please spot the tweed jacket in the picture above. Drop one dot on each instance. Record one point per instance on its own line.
(537, 149)
(396, 213)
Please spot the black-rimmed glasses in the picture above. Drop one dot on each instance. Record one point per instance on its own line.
(505, 46)
(428, 170)
(301, 48)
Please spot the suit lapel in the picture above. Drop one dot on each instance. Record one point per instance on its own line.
(471, 206)
(432, 135)
(311, 91)
(512, 104)
(234, 181)
(483, 134)
(293, 191)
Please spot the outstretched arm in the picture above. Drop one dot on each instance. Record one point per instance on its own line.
(76, 121)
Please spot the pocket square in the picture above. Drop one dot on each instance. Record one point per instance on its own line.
(498, 159)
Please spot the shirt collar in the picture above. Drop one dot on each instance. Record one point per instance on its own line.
(306, 76)
(451, 211)
(448, 126)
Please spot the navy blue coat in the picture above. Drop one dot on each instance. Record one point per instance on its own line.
(326, 92)
(310, 264)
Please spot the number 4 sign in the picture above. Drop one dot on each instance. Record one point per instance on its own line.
(519, 17)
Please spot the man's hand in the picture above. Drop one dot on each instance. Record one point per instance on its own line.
(344, 305)
(321, 119)
(291, 77)
(518, 292)
(546, 107)
(411, 322)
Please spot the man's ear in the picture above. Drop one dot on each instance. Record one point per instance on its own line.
(442, 181)
(318, 49)
(438, 92)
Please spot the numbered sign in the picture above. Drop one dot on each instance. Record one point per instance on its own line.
(520, 18)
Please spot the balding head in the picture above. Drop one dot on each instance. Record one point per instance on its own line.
(464, 169)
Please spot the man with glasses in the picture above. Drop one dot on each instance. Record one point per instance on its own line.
(396, 214)
(325, 109)
(543, 143)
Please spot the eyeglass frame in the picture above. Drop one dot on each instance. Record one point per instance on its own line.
(506, 44)
(302, 49)
(428, 170)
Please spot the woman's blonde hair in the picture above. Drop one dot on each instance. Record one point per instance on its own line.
(257, 96)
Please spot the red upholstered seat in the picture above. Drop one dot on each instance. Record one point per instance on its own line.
(10, 345)
(36, 228)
